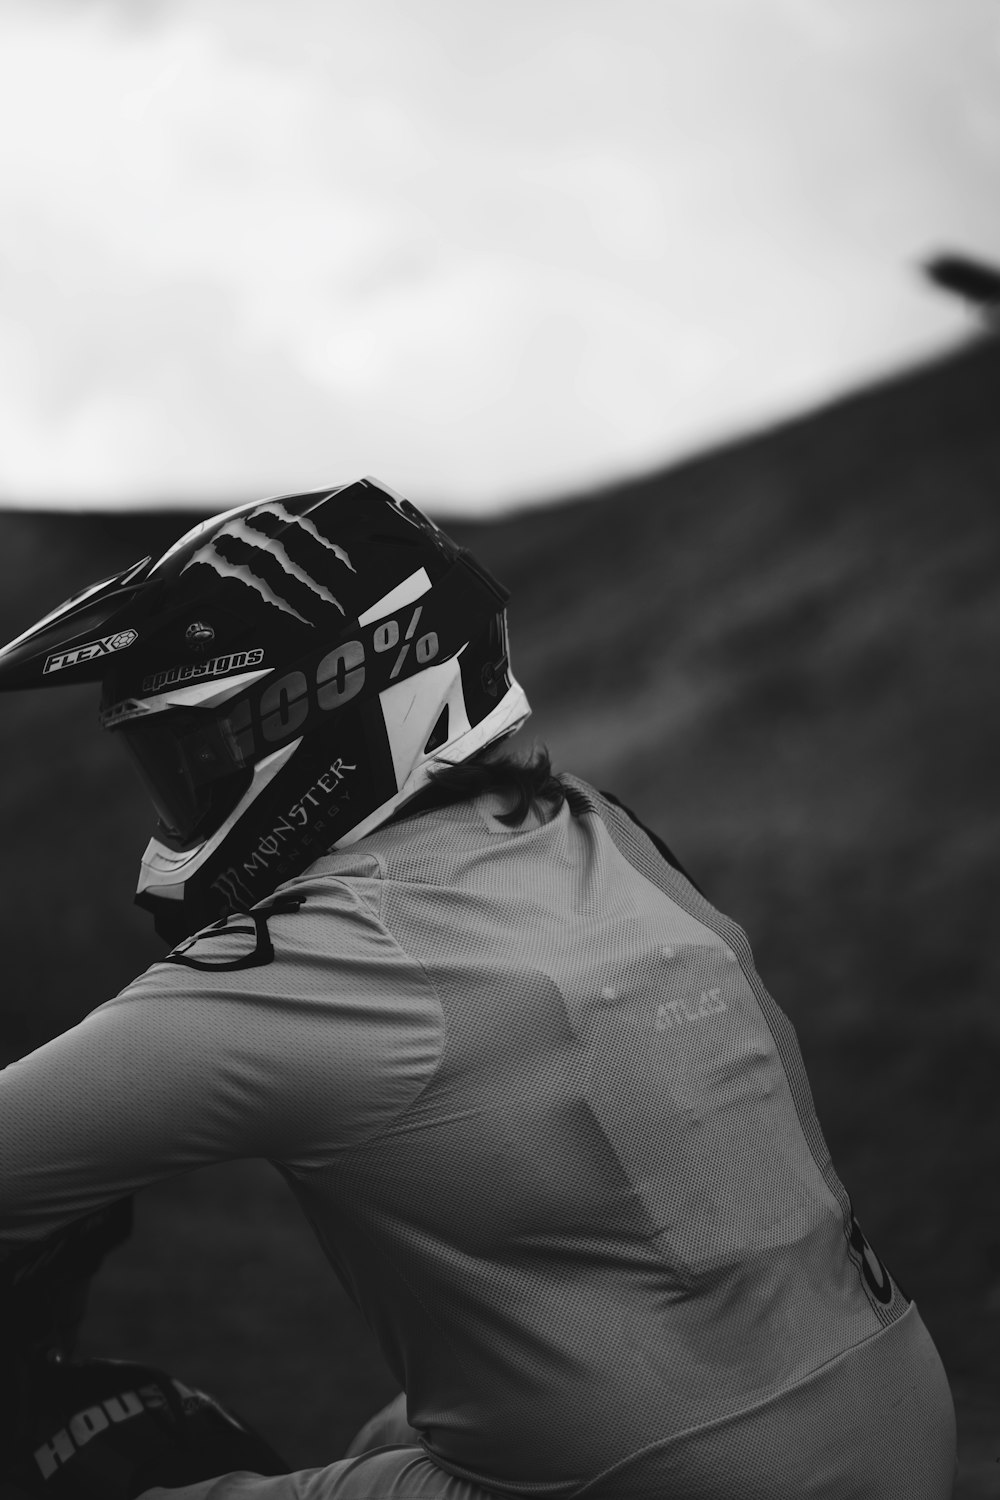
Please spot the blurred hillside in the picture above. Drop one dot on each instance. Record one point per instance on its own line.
(783, 657)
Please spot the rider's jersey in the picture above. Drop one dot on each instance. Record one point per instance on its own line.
(553, 1134)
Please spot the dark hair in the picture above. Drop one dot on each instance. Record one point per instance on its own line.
(531, 783)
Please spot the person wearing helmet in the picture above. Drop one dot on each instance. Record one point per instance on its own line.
(554, 1136)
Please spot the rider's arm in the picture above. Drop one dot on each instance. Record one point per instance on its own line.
(137, 1091)
(302, 1052)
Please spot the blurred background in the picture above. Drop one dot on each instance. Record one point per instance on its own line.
(684, 318)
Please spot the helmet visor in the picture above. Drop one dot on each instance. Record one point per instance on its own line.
(193, 770)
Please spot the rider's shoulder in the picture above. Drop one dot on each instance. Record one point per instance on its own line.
(277, 929)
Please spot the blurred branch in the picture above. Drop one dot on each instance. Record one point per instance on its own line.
(977, 283)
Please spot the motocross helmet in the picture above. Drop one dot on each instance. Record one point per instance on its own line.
(284, 678)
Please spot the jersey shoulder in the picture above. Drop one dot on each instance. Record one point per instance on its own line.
(313, 920)
(662, 848)
(240, 940)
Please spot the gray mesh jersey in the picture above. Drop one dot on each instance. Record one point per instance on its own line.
(554, 1136)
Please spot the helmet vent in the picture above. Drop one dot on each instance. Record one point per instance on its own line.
(439, 733)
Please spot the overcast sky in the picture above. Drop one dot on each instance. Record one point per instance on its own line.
(487, 252)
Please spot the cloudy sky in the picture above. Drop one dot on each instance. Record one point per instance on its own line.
(488, 252)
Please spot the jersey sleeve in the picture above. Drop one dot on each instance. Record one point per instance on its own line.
(219, 1053)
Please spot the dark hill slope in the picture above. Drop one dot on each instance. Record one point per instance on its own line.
(783, 655)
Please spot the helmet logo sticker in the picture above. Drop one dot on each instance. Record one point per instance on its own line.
(318, 686)
(242, 530)
(120, 641)
(191, 671)
(315, 808)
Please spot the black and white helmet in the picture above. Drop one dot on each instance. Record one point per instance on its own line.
(284, 676)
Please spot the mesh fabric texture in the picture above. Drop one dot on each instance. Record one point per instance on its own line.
(559, 1145)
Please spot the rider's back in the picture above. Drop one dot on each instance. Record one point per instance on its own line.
(559, 1144)
(605, 1224)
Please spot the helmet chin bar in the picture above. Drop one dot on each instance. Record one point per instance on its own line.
(165, 873)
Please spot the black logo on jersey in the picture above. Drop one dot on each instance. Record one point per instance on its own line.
(874, 1270)
(263, 949)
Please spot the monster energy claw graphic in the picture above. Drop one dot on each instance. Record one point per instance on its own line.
(242, 530)
(275, 508)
